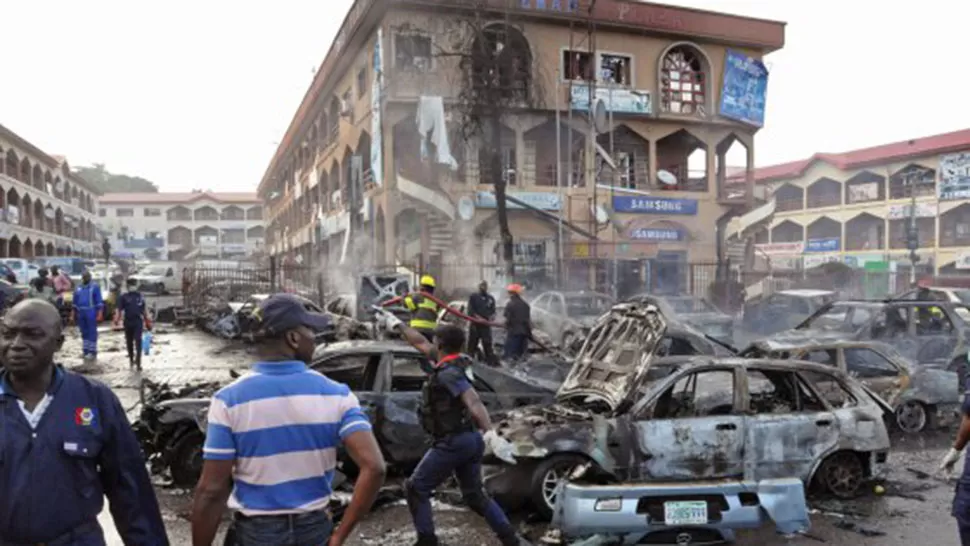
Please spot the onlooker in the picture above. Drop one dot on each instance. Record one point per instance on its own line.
(481, 305)
(88, 307)
(66, 445)
(518, 323)
(40, 290)
(273, 437)
(62, 282)
(131, 304)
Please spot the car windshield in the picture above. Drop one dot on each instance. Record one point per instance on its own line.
(586, 305)
(690, 305)
(841, 318)
(14, 264)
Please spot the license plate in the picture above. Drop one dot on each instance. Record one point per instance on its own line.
(685, 513)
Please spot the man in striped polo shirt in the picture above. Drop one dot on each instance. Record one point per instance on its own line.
(272, 440)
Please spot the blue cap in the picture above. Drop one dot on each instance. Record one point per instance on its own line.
(281, 313)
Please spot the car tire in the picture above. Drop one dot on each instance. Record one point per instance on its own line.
(160, 289)
(913, 417)
(186, 459)
(545, 478)
(842, 474)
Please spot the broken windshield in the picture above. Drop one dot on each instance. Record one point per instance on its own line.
(840, 318)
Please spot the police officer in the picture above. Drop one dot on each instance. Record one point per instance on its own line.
(518, 323)
(65, 444)
(452, 413)
(961, 497)
(131, 304)
(481, 305)
(87, 308)
(424, 311)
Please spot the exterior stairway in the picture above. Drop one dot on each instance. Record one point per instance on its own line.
(439, 213)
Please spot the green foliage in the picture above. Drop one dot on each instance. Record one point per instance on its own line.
(106, 182)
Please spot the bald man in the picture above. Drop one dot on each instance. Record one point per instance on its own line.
(65, 444)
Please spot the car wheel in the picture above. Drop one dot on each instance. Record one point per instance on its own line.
(186, 462)
(912, 417)
(546, 478)
(842, 474)
(160, 289)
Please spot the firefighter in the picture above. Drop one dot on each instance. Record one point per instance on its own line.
(424, 311)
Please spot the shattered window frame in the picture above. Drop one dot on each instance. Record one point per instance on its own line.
(881, 364)
(576, 65)
(409, 46)
(613, 65)
(797, 386)
(665, 394)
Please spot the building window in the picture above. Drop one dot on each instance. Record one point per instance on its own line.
(125, 213)
(508, 166)
(153, 212)
(577, 65)
(347, 106)
(683, 82)
(361, 82)
(616, 69)
(102, 213)
(412, 51)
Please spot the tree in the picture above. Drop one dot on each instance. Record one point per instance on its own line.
(495, 81)
(105, 182)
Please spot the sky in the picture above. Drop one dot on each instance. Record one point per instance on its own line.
(198, 94)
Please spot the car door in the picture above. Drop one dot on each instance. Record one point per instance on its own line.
(875, 371)
(692, 430)
(399, 381)
(787, 426)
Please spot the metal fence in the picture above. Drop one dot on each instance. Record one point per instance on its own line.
(208, 285)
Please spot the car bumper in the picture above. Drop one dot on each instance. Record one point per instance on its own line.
(638, 510)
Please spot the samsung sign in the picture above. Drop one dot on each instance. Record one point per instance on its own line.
(656, 234)
(654, 205)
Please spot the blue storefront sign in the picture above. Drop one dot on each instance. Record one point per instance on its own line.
(541, 201)
(621, 101)
(656, 234)
(745, 89)
(830, 244)
(654, 205)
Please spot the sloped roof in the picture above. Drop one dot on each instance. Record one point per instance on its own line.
(865, 157)
(180, 198)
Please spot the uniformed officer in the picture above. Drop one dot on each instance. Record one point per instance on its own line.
(87, 308)
(481, 305)
(65, 444)
(131, 304)
(961, 497)
(452, 413)
(424, 311)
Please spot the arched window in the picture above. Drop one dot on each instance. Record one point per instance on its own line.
(683, 81)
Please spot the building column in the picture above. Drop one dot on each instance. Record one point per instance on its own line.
(749, 176)
(519, 156)
(651, 164)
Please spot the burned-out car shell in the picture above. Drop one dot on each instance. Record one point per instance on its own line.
(557, 313)
(699, 313)
(920, 395)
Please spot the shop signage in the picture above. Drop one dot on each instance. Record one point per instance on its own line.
(814, 261)
(539, 200)
(656, 234)
(234, 247)
(962, 261)
(828, 244)
(745, 88)
(954, 176)
(620, 101)
(654, 205)
(923, 210)
(781, 249)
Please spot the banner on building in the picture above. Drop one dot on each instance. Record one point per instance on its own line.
(827, 244)
(745, 89)
(954, 180)
(780, 249)
(376, 97)
(654, 205)
(860, 193)
(539, 200)
(656, 234)
(620, 101)
(922, 210)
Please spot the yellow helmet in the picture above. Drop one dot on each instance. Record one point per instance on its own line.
(427, 280)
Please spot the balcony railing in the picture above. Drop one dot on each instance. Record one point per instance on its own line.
(782, 205)
(864, 243)
(955, 240)
(823, 200)
(899, 243)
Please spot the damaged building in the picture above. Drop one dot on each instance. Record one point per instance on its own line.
(374, 165)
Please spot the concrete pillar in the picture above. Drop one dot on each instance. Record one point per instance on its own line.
(425, 243)
(520, 156)
(711, 168)
(651, 165)
(749, 177)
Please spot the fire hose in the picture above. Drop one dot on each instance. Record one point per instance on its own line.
(459, 314)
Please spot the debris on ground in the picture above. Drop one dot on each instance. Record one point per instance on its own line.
(858, 528)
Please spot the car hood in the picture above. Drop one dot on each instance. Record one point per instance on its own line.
(539, 431)
(613, 363)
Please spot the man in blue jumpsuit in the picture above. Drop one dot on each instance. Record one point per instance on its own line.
(131, 304)
(452, 413)
(88, 307)
(65, 444)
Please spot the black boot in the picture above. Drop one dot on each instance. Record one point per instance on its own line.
(514, 540)
(426, 540)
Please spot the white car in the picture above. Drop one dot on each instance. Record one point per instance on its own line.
(24, 270)
(159, 278)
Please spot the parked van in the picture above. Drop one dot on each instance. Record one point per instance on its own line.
(24, 270)
(159, 277)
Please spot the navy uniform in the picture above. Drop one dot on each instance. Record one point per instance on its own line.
(132, 305)
(457, 450)
(58, 463)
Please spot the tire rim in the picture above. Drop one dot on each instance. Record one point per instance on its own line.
(911, 417)
(844, 475)
(550, 484)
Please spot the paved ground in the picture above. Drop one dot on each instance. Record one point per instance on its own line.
(913, 511)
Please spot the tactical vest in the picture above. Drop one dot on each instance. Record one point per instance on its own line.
(424, 312)
(441, 413)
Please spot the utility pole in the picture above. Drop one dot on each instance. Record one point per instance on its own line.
(912, 230)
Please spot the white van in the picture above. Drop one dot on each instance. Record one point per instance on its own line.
(24, 270)
(159, 277)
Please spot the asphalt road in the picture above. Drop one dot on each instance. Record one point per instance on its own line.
(914, 510)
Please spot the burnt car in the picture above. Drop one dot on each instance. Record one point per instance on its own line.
(386, 376)
(711, 419)
(568, 315)
(921, 397)
(931, 333)
(699, 313)
(782, 310)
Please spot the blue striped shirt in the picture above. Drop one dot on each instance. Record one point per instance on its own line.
(282, 425)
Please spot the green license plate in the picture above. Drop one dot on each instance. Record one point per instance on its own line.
(685, 513)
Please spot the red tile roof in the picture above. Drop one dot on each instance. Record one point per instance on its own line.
(866, 157)
(180, 198)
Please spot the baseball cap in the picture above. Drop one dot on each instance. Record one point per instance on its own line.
(281, 313)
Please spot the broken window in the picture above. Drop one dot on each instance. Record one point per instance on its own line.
(407, 375)
(673, 345)
(683, 82)
(412, 51)
(776, 392)
(866, 363)
(699, 394)
(616, 69)
(931, 320)
(831, 389)
(349, 370)
(822, 356)
(577, 65)
(361, 82)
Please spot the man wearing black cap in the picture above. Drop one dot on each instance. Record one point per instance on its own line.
(272, 440)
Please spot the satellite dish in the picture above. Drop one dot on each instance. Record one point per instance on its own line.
(599, 213)
(667, 178)
(600, 116)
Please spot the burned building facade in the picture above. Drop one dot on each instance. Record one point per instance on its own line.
(376, 167)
